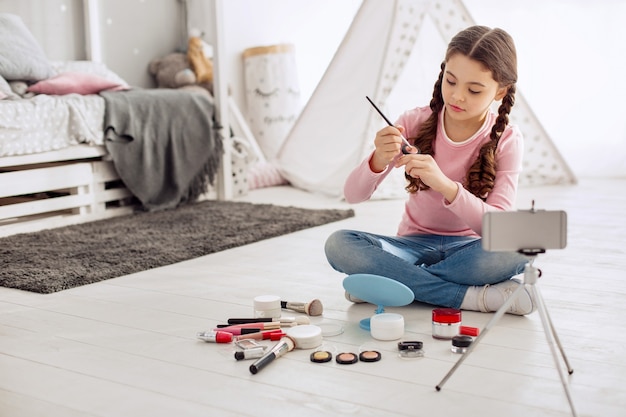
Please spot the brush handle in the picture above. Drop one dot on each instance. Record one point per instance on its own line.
(295, 306)
(283, 346)
(404, 150)
(250, 320)
(262, 362)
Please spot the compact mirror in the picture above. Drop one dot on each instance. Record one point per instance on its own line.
(377, 290)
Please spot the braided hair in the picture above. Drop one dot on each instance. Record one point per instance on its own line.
(494, 48)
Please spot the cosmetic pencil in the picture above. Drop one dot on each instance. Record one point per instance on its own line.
(284, 321)
(258, 325)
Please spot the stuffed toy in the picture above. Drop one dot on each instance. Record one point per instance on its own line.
(174, 71)
(200, 63)
(21, 89)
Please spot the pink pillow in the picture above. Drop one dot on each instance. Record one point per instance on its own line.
(75, 82)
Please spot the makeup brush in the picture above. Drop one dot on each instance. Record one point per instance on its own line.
(406, 142)
(284, 321)
(312, 308)
(286, 344)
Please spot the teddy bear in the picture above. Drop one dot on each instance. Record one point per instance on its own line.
(197, 51)
(175, 71)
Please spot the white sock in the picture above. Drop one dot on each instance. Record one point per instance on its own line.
(470, 301)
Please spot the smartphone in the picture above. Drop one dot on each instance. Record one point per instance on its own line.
(524, 230)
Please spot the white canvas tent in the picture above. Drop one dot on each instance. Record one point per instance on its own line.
(335, 130)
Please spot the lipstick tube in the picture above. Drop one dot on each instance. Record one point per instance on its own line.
(237, 331)
(265, 335)
(215, 337)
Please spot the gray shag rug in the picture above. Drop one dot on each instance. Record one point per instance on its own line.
(58, 259)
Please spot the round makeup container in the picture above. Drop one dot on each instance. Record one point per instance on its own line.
(446, 323)
(267, 306)
(387, 326)
(346, 358)
(306, 336)
(370, 356)
(321, 356)
(460, 344)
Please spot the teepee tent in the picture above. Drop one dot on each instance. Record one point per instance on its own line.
(335, 130)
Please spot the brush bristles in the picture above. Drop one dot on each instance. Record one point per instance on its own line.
(315, 308)
(303, 320)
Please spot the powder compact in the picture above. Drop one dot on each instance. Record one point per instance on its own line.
(321, 356)
(347, 358)
(369, 356)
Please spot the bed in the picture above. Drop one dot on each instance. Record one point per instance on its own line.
(61, 154)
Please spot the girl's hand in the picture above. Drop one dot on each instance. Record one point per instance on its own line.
(388, 143)
(425, 168)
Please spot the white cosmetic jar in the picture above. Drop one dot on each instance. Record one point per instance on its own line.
(306, 336)
(387, 326)
(267, 306)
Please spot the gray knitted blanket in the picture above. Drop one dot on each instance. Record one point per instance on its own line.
(163, 144)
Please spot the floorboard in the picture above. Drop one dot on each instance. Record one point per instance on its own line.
(127, 346)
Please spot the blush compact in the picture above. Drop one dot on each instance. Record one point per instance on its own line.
(370, 356)
(346, 358)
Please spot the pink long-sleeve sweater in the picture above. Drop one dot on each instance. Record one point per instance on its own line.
(427, 212)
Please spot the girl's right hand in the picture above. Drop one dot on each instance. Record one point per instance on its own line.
(388, 143)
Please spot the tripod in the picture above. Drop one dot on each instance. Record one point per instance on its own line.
(531, 274)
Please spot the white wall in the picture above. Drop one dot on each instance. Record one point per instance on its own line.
(56, 24)
(132, 32)
(571, 57)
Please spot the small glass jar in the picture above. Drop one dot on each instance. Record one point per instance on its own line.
(460, 344)
(446, 323)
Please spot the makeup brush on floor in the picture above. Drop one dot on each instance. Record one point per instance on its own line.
(312, 308)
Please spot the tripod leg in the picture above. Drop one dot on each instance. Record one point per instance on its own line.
(538, 296)
(551, 336)
(488, 326)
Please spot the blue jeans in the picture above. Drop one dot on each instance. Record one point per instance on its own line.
(438, 269)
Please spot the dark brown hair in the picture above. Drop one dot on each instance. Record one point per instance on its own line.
(494, 48)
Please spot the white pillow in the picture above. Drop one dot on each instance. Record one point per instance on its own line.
(21, 57)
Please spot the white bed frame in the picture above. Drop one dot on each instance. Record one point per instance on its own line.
(79, 184)
(59, 188)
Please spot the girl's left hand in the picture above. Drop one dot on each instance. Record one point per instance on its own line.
(425, 168)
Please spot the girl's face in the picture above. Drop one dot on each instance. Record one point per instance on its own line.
(468, 90)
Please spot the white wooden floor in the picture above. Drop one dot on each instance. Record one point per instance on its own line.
(127, 346)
